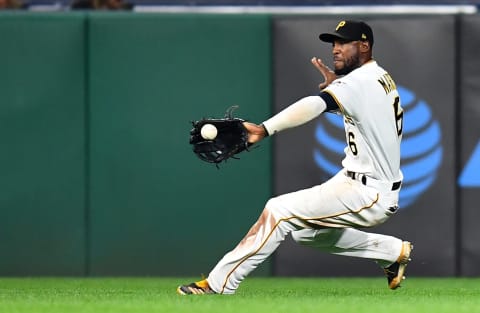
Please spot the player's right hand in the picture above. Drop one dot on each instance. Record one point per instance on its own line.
(328, 75)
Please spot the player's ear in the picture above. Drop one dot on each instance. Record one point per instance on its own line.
(364, 46)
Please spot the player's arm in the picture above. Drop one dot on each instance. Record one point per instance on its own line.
(298, 113)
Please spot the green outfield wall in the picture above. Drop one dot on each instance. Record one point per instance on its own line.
(98, 177)
(42, 131)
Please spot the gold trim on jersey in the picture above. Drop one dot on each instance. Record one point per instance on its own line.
(304, 220)
(348, 119)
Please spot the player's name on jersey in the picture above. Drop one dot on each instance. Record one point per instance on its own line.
(387, 83)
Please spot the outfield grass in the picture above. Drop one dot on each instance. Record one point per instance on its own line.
(265, 295)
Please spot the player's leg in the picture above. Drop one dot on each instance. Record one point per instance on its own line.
(391, 253)
(338, 202)
(282, 214)
(351, 242)
(260, 242)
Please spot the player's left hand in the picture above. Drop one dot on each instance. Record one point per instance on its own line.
(255, 132)
(327, 73)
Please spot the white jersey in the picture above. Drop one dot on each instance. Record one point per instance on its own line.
(373, 119)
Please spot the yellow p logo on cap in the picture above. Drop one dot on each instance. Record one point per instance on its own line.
(340, 25)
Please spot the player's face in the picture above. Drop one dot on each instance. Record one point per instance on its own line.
(346, 56)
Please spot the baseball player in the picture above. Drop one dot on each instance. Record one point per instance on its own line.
(363, 194)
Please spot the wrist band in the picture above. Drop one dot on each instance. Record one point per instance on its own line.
(265, 129)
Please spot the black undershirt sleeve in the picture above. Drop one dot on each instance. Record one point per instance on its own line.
(332, 105)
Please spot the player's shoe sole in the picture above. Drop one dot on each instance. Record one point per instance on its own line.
(396, 272)
(197, 288)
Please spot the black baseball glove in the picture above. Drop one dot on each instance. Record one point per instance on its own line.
(231, 138)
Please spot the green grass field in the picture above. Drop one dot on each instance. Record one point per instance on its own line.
(265, 295)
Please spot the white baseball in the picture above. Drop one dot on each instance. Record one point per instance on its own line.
(208, 132)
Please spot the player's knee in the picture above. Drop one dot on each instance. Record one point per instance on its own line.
(272, 204)
(277, 209)
(297, 236)
(303, 236)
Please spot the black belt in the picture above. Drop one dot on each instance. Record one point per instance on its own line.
(363, 179)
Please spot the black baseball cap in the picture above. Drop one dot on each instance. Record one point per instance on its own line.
(350, 31)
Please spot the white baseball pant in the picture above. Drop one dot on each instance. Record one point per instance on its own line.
(325, 217)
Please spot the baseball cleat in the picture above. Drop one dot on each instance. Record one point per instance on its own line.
(395, 272)
(197, 288)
